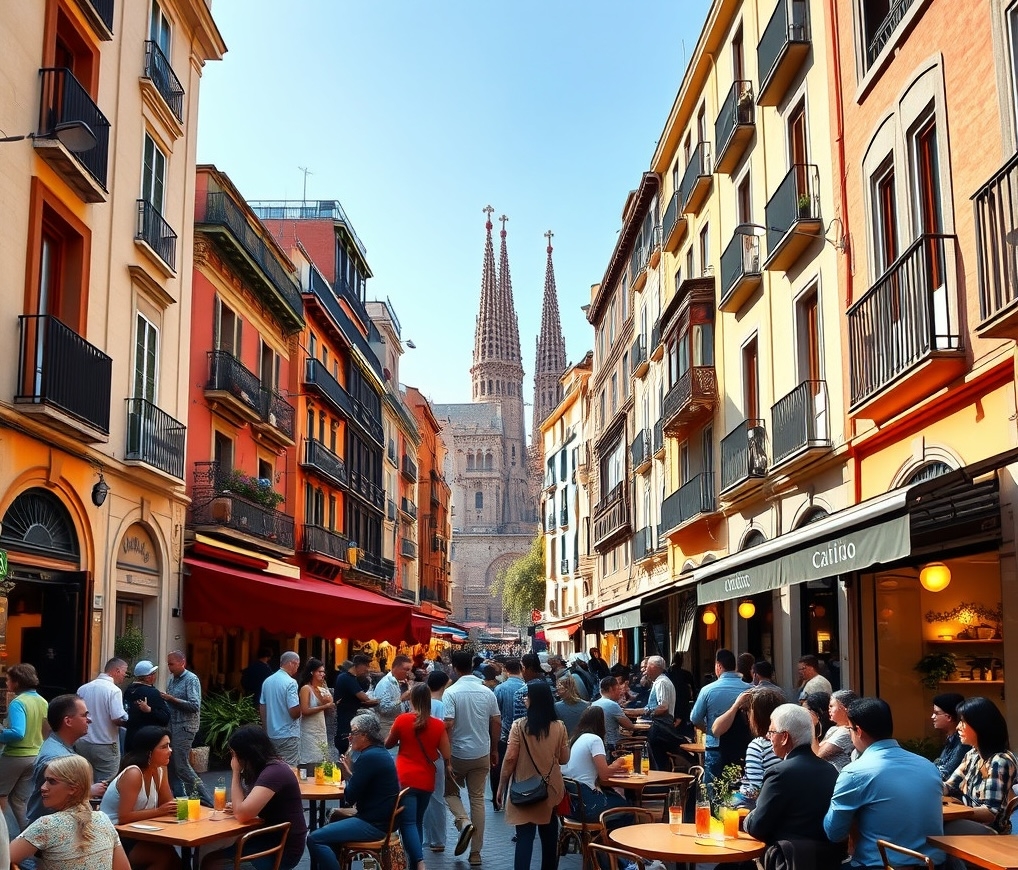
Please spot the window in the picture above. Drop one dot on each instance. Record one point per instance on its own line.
(58, 277)
(611, 324)
(705, 250)
(153, 179)
(683, 463)
(876, 27)
(797, 153)
(926, 178)
(738, 57)
(885, 218)
(470, 460)
(707, 450)
(478, 500)
(268, 368)
(222, 452)
(332, 513)
(1011, 29)
(615, 392)
(613, 470)
(159, 28)
(751, 379)
(229, 329)
(689, 261)
(625, 375)
(265, 470)
(146, 360)
(809, 338)
(743, 202)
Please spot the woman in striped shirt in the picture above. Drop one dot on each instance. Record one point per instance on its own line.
(760, 757)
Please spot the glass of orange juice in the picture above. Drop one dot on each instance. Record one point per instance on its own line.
(193, 809)
(645, 765)
(730, 817)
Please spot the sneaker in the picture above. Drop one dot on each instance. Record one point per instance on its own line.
(466, 832)
(475, 859)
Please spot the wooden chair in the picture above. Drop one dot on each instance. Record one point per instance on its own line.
(884, 845)
(574, 828)
(348, 851)
(652, 796)
(614, 858)
(275, 832)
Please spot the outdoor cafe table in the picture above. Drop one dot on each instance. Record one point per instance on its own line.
(657, 841)
(188, 835)
(636, 783)
(317, 796)
(993, 853)
(954, 811)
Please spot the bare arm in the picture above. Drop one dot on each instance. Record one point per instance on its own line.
(120, 861)
(725, 720)
(494, 732)
(130, 783)
(305, 702)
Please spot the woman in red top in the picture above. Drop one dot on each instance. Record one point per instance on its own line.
(421, 740)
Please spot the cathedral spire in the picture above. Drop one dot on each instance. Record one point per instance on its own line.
(505, 292)
(551, 352)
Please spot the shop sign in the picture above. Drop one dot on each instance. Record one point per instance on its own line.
(137, 552)
(825, 557)
(628, 619)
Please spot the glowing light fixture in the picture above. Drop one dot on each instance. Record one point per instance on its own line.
(747, 609)
(709, 617)
(935, 577)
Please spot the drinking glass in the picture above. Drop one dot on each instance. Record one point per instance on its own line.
(182, 809)
(675, 810)
(702, 817)
(193, 809)
(730, 816)
(337, 774)
(319, 774)
(219, 798)
(645, 765)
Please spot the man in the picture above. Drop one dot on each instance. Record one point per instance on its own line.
(615, 720)
(812, 679)
(256, 673)
(796, 793)
(663, 738)
(105, 699)
(763, 676)
(474, 725)
(597, 666)
(183, 694)
(350, 697)
(713, 700)
(279, 707)
(532, 670)
(505, 697)
(393, 695)
(683, 681)
(144, 702)
(559, 670)
(68, 720)
(888, 793)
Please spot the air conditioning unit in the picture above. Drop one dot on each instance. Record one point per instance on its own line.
(757, 438)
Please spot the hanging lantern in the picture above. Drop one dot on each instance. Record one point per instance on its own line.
(747, 609)
(819, 611)
(709, 617)
(935, 577)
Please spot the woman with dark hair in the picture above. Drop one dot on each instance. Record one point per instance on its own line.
(987, 775)
(945, 719)
(818, 704)
(760, 757)
(588, 764)
(537, 746)
(315, 699)
(836, 745)
(422, 741)
(263, 786)
(141, 790)
(21, 739)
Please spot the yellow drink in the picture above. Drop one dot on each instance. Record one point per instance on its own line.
(193, 809)
(337, 774)
(219, 797)
(731, 820)
(319, 774)
(645, 765)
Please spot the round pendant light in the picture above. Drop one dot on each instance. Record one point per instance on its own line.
(709, 617)
(935, 577)
(747, 609)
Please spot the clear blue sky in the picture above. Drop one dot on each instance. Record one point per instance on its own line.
(415, 115)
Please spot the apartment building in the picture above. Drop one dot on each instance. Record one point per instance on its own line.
(97, 181)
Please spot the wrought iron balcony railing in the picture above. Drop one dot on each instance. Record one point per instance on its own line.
(325, 462)
(156, 233)
(693, 498)
(65, 100)
(318, 376)
(743, 454)
(278, 412)
(640, 448)
(698, 170)
(227, 374)
(784, 43)
(882, 34)
(408, 467)
(738, 113)
(214, 504)
(408, 507)
(158, 69)
(155, 438)
(408, 548)
(643, 544)
(796, 200)
(800, 420)
(659, 437)
(368, 489)
(316, 539)
(996, 206)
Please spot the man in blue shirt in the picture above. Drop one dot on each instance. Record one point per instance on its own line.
(713, 700)
(280, 709)
(505, 695)
(888, 793)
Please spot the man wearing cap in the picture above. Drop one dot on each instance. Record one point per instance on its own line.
(145, 705)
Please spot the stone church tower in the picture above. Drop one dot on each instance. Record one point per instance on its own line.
(550, 363)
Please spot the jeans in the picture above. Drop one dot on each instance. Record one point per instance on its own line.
(183, 779)
(476, 772)
(435, 824)
(525, 845)
(323, 841)
(496, 771)
(411, 824)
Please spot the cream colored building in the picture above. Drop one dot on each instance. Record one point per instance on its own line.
(96, 254)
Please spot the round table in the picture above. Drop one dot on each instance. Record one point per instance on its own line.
(657, 841)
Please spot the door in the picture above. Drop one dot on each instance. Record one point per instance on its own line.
(59, 646)
(797, 146)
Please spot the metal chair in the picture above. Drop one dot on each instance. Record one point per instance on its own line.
(348, 851)
(884, 845)
(239, 856)
(614, 857)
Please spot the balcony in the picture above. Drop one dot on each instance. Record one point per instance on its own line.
(996, 207)
(563, 517)
(643, 544)
(693, 500)
(735, 126)
(408, 468)
(325, 297)
(674, 224)
(63, 378)
(740, 272)
(320, 460)
(258, 263)
(690, 400)
(64, 101)
(743, 456)
(563, 567)
(638, 357)
(782, 50)
(215, 509)
(157, 235)
(640, 451)
(367, 489)
(164, 79)
(550, 524)
(657, 346)
(885, 30)
(903, 334)
(659, 440)
(99, 14)
(378, 569)
(408, 507)
(322, 542)
(318, 379)
(154, 438)
(793, 218)
(390, 509)
(276, 423)
(390, 452)
(638, 263)
(232, 389)
(611, 518)
(801, 423)
(696, 180)
(433, 497)
(407, 548)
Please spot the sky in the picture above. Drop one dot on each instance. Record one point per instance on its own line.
(416, 115)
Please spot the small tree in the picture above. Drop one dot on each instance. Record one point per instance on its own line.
(521, 586)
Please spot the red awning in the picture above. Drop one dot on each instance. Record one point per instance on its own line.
(420, 625)
(230, 597)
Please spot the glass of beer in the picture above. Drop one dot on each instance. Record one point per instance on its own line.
(219, 798)
(645, 765)
(675, 810)
(702, 816)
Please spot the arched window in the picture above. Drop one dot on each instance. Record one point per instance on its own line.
(470, 460)
(928, 472)
(479, 500)
(482, 388)
(38, 522)
(489, 461)
(753, 539)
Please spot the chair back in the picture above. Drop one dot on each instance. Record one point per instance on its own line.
(275, 834)
(396, 810)
(884, 845)
(612, 858)
(575, 795)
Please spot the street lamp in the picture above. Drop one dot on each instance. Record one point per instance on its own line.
(75, 136)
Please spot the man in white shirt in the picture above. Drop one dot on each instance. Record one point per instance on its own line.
(661, 710)
(812, 679)
(393, 695)
(615, 720)
(105, 700)
(474, 723)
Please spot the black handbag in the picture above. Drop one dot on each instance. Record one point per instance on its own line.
(533, 789)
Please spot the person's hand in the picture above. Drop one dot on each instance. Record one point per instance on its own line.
(98, 789)
(494, 757)
(347, 766)
(235, 765)
(168, 808)
(143, 705)
(500, 799)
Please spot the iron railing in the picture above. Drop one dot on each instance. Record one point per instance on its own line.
(659, 436)
(408, 507)
(408, 548)
(156, 233)
(640, 448)
(316, 539)
(563, 517)
(643, 544)
(788, 24)
(227, 374)
(800, 419)
(353, 299)
(278, 412)
(699, 166)
(655, 336)
(370, 490)
(693, 498)
(639, 353)
(159, 71)
(323, 460)
(306, 209)
(697, 384)
(673, 214)
(320, 289)
(104, 9)
(64, 99)
(904, 317)
(390, 451)
(56, 366)
(408, 467)
(611, 514)
(882, 34)
(155, 438)
(738, 110)
(740, 259)
(996, 207)
(796, 199)
(390, 509)
(213, 504)
(318, 375)
(743, 454)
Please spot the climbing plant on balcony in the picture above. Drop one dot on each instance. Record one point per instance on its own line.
(256, 489)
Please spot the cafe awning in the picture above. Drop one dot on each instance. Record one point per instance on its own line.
(560, 632)
(626, 614)
(235, 597)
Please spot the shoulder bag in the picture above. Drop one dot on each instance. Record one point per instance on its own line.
(533, 789)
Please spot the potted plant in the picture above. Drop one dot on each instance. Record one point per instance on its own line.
(804, 205)
(223, 714)
(130, 645)
(935, 668)
(258, 490)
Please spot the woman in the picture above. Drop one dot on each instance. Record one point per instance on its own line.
(21, 739)
(422, 741)
(836, 746)
(538, 746)
(315, 699)
(945, 719)
(818, 704)
(489, 676)
(372, 786)
(570, 706)
(141, 790)
(72, 835)
(264, 786)
(435, 824)
(760, 757)
(988, 773)
(588, 765)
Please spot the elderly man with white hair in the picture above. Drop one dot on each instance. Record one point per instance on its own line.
(663, 737)
(279, 706)
(795, 794)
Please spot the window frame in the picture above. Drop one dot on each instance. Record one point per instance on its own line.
(144, 324)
